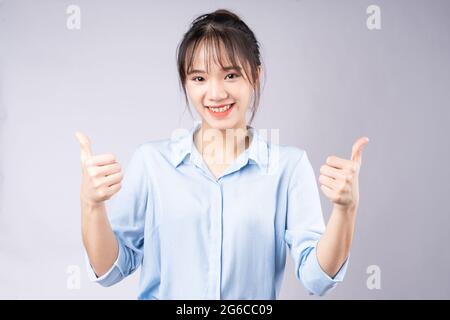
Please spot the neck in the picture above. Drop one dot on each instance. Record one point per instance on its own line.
(222, 146)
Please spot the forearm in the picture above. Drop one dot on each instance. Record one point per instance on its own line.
(334, 245)
(98, 238)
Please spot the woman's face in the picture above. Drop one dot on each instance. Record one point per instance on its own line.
(221, 96)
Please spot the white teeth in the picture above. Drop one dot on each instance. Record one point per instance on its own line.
(222, 109)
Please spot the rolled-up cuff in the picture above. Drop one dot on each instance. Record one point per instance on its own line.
(315, 279)
(112, 276)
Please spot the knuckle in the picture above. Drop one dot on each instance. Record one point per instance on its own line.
(96, 183)
(91, 172)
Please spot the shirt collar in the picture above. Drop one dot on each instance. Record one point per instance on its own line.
(182, 145)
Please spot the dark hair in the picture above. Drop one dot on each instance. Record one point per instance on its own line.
(217, 29)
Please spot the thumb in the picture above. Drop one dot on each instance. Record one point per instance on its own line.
(85, 145)
(357, 149)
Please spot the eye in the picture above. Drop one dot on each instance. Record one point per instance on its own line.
(198, 79)
(233, 75)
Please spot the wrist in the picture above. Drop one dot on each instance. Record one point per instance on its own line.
(89, 206)
(345, 210)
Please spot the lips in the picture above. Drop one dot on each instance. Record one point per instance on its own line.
(220, 111)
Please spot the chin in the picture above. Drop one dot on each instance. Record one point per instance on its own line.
(223, 124)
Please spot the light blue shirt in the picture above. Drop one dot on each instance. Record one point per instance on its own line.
(198, 237)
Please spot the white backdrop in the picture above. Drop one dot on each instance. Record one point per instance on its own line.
(330, 79)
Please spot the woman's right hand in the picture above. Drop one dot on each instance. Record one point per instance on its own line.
(102, 175)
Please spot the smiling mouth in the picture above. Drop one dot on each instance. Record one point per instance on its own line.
(221, 108)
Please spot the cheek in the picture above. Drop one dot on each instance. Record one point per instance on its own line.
(244, 94)
(195, 95)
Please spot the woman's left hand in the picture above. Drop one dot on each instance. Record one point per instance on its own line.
(339, 178)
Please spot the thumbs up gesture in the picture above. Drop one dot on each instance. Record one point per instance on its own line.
(339, 177)
(102, 175)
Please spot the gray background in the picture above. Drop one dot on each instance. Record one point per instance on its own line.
(329, 81)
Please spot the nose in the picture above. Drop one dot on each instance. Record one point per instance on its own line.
(216, 91)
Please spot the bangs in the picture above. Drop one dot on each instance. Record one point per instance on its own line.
(221, 49)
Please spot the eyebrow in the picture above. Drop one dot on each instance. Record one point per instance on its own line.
(237, 68)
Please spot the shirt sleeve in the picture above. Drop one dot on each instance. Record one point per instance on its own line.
(126, 213)
(304, 227)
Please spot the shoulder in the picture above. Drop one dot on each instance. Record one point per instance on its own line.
(151, 146)
(155, 150)
(288, 156)
(292, 153)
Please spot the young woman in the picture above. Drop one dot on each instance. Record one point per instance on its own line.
(207, 214)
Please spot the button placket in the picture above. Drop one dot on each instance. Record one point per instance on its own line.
(215, 244)
(218, 257)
